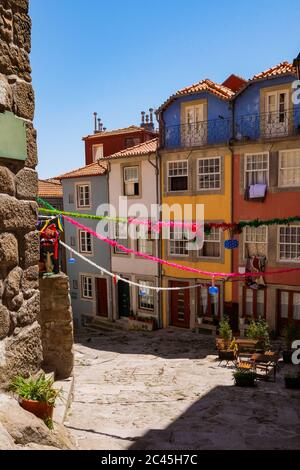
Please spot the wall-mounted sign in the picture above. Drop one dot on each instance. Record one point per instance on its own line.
(12, 137)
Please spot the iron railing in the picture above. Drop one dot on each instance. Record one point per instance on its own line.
(250, 127)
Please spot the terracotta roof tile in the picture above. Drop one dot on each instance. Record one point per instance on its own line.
(145, 148)
(124, 130)
(49, 189)
(280, 69)
(94, 169)
(204, 85)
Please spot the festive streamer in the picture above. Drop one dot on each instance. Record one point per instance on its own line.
(117, 278)
(235, 227)
(113, 243)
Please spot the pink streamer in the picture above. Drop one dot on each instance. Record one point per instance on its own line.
(113, 243)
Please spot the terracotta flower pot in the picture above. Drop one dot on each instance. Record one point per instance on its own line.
(40, 409)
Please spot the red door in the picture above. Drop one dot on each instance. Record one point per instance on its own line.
(102, 308)
(180, 305)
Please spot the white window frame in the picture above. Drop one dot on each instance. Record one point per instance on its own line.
(83, 278)
(179, 240)
(286, 260)
(77, 189)
(212, 241)
(280, 169)
(88, 253)
(122, 241)
(177, 176)
(137, 180)
(248, 171)
(255, 242)
(151, 294)
(215, 188)
(95, 148)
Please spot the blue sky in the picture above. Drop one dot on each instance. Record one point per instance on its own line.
(121, 57)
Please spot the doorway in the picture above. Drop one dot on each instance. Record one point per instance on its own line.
(180, 305)
(102, 298)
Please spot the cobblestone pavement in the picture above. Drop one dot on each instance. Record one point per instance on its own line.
(165, 390)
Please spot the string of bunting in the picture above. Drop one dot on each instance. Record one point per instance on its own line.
(212, 275)
(234, 228)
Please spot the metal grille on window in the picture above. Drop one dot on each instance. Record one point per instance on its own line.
(209, 173)
(289, 243)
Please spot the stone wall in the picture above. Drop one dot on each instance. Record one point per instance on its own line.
(20, 344)
(56, 320)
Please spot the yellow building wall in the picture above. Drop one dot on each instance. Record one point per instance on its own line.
(217, 207)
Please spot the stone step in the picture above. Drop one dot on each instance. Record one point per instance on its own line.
(107, 325)
(63, 404)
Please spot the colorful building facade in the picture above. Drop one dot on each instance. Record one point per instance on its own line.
(196, 168)
(266, 186)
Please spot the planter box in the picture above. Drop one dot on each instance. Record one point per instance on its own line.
(287, 356)
(245, 380)
(134, 324)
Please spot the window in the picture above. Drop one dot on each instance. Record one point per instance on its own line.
(212, 244)
(255, 241)
(97, 152)
(209, 173)
(132, 141)
(194, 128)
(145, 245)
(207, 305)
(71, 198)
(254, 302)
(178, 242)
(256, 169)
(120, 235)
(72, 241)
(146, 295)
(277, 118)
(87, 287)
(131, 181)
(289, 168)
(85, 242)
(289, 243)
(83, 195)
(178, 175)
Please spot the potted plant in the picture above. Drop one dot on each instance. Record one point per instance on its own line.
(292, 380)
(291, 333)
(244, 378)
(36, 395)
(259, 330)
(225, 332)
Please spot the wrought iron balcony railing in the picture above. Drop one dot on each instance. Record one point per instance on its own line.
(268, 125)
(250, 127)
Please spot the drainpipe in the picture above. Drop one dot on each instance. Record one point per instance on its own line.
(231, 149)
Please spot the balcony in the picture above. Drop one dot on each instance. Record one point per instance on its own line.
(248, 127)
(216, 131)
(272, 125)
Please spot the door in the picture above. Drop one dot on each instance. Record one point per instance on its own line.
(180, 305)
(123, 299)
(194, 128)
(288, 309)
(102, 306)
(277, 119)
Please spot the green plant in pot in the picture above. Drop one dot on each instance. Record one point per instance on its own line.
(225, 332)
(259, 330)
(38, 396)
(290, 333)
(244, 378)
